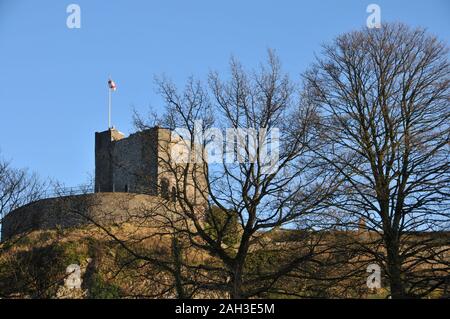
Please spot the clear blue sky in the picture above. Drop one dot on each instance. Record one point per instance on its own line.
(53, 93)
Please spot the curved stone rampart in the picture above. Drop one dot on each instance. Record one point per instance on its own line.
(78, 210)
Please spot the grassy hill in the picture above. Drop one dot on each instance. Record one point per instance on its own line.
(34, 266)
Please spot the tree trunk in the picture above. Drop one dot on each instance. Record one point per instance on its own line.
(394, 266)
(236, 283)
(176, 249)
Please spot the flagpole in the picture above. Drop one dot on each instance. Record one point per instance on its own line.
(109, 107)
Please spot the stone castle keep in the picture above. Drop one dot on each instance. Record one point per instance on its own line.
(130, 172)
(129, 164)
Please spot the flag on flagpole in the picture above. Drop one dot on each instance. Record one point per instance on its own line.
(112, 85)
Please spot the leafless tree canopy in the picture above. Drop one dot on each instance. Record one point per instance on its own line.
(261, 200)
(17, 188)
(383, 97)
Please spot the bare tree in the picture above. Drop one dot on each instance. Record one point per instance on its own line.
(244, 183)
(383, 95)
(17, 188)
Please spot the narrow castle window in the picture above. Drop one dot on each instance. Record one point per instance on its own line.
(174, 194)
(165, 188)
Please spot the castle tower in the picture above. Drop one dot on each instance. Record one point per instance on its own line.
(126, 164)
(104, 149)
(138, 164)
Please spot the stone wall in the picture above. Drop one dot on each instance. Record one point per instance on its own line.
(173, 146)
(135, 163)
(104, 150)
(126, 164)
(79, 210)
(140, 164)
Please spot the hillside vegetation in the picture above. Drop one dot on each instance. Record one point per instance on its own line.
(34, 266)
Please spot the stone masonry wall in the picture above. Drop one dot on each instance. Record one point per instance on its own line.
(135, 164)
(126, 164)
(78, 210)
